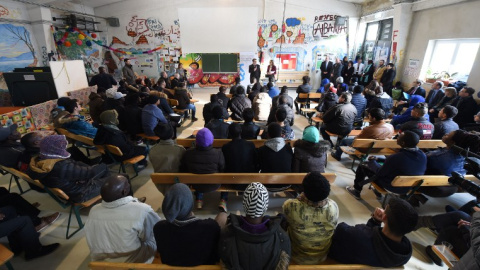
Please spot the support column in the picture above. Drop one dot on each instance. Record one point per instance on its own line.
(402, 20)
(41, 18)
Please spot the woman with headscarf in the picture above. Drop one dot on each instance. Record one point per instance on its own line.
(184, 239)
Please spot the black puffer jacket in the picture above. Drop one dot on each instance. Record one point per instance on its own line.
(203, 160)
(106, 135)
(78, 180)
(384, 102)
(250, 131)
(309, 157)
(219, 128)
(327, 101)
(208, 111)
(339, 119)
(237, 104)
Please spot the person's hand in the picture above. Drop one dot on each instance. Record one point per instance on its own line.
(2, 216)
(431, 110)
(476, 209)
(463, 223)
(372, 158)
(378, 214)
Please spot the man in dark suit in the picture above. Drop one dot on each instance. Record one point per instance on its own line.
(326, 67)
(254, 70)
(435, 94)
(467, 107)
(417, 89)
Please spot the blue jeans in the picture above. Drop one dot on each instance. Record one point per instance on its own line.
(191, 107)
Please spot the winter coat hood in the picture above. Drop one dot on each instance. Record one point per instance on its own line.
(314, 149)
(276, 144)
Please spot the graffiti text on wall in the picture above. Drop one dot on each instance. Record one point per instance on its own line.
(151, 30)
(293, 31)
(324, 26)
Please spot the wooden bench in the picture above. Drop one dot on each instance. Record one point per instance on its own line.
(218, 143)
(115, 153)
(362, 148)
(79, 138)
(142, 266)
(233, 178)
(290, 78)
(5, 256)
(59, 196)
(149, 140)
(415, 182)
(313, 97)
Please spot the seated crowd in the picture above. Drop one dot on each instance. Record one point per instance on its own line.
(308, 230)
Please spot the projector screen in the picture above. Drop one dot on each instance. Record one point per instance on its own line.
(218, 30)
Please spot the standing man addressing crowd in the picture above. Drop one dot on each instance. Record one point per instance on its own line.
(103, 80)
(128, 72)
(254, 70)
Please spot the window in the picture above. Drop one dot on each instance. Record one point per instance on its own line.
(451, 56)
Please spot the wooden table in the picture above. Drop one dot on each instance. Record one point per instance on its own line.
(449, 258)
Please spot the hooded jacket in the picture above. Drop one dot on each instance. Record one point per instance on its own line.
(261, 105)
(310, 156)
(322, 84)
(276, 100)
(240, 156)
(219, 128)
(383, 101)
(237, 104)
(275, 156)
(74, 178)
(366, 244)
(406, 116)
(360, 102)
(108, 135)
(95, 106)
(208, 111)
(240, 249)
(339, 119)
(329, 100)
(421, 126)
(303, 89)
(202, 160)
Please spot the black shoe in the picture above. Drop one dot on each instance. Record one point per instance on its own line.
(335, 157)
(433, 256)
(194, 119)
(44, 250)
(378, 195)
(355, 193)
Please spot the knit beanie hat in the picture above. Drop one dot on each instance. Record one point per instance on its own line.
(53, 147)
(311, 134)
(316, 187)
(6, 131)
(255, 200)
(109, 117)
(178, 203)
(204, 138)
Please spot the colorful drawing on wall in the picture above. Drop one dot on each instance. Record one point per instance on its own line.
(151, 31)
(192, 62)
(293, 31)
(16, 48)
(324, 27)
(79, 51)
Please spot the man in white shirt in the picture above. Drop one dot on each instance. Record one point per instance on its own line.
(358, 68)
(120, 229)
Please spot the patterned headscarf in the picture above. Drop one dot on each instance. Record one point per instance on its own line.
(255, 200)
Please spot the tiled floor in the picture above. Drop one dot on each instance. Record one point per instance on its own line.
(74, 253)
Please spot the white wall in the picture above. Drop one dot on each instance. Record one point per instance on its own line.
(268, 10)
(448, 22)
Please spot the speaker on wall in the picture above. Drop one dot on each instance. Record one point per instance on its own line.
(114, 22)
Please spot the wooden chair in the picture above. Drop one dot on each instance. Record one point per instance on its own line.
(149, 140)
(174, 103)
(303, 104)
(5, 256)
(313, 97)
(13, 177)
(115, 154)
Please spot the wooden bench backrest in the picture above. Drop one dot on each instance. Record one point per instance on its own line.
(380, 144)
(234, 178)
(428, 180)
(291, 75)
(217, 143)
(22, 175)
(314, 95)
(303, 95)
(84, 139)
(170, 91)
(172, 102)
(5, 254)
(142, 266)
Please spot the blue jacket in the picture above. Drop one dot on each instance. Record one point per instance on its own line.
(444, 162)
(151, 116)
(366, 244)
(322, 84)
(444, 127)
(405, 162)
(360, 102)
(81, 127)
(406, 116)
(273, 92)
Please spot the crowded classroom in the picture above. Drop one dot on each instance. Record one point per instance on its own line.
(255, 134)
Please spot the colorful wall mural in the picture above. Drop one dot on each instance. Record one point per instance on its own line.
(17, 50)
(192, 62)
(299, 37)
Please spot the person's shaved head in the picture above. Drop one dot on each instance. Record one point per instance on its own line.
(114, 188)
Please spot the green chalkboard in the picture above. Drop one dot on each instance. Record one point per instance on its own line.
(219, 63)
